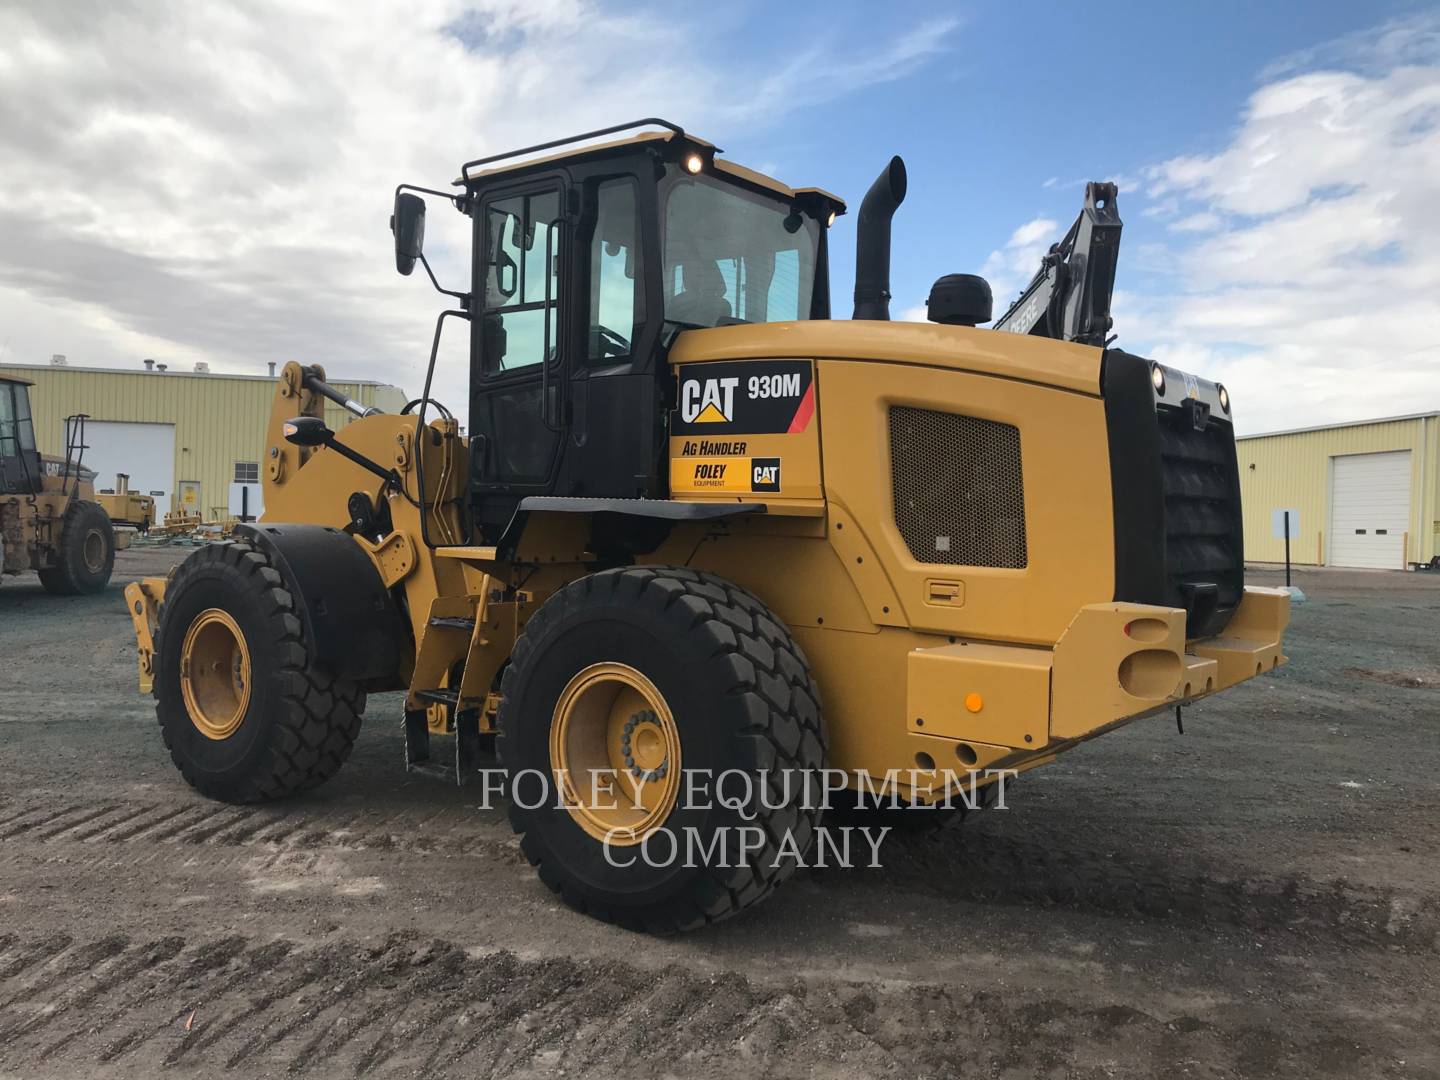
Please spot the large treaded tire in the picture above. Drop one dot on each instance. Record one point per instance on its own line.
(743, 699)
(301, 722)
(73, 574)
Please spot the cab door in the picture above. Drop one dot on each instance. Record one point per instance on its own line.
(518, 345)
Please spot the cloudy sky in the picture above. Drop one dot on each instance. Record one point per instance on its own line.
(212, 182)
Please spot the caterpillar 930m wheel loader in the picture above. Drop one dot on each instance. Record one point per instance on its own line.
(49, 519)
(701, 529)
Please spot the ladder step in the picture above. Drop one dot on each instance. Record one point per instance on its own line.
(442, 696)
(446, 622)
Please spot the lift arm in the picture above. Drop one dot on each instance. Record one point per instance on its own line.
(1069, 298)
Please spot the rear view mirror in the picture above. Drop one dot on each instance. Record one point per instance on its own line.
(408, 225)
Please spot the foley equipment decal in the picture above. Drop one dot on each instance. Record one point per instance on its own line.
(736, 474)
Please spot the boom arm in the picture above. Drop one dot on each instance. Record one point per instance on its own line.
(1069, 298)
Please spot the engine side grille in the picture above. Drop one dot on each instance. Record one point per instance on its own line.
(958, 488)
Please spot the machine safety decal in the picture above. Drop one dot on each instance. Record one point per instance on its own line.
(767, 397)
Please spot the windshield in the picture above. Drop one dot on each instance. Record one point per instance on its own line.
(731, 256)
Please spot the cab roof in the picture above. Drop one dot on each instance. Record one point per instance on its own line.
(516, 162)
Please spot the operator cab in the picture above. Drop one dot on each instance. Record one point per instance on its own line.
(585, 267)
(20, 469)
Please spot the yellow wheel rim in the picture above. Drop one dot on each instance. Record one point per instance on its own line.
(615, 753)
(94, 550)
(215, 674)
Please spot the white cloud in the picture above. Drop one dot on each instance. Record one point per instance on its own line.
(213, 182)
(1307, 275)
(1010, 268)
(1204, 221)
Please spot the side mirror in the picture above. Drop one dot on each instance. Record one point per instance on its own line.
(307, 431)
(408, 225)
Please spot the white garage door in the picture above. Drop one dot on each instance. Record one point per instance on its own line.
(1370, 510)
(145, 451)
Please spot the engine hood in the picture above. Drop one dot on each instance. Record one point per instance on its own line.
(962, 348)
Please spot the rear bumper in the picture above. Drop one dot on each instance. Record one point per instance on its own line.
(1115, 663)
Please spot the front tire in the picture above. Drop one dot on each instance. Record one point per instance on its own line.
(670, 675)
(86, 554)
(246, 714)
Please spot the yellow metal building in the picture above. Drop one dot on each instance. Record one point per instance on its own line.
(192, 438)
(1366, 493)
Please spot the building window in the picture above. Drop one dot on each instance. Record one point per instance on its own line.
(247, 472)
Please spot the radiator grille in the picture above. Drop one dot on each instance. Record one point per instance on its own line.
(958, 491)
(1204, 536)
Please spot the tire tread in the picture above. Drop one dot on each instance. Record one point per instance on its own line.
(768, 673)
(63, 578)
(321, 717)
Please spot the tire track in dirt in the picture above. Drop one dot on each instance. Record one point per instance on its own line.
(987, 870)
(951, 864)
(203, 958)
(411, 1006)
(275, 827)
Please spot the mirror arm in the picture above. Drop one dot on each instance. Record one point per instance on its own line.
(458, 201)
(464, 298)
(463, 203)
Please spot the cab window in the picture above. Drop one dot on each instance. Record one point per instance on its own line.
(7, 419)
(614, 273)
(24, 425)
(521, 306)
(733, 256)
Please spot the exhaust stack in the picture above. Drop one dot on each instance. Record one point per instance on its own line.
(872, 242)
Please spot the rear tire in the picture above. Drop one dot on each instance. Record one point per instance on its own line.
(245, 712)
(734, 693)
(86, 554)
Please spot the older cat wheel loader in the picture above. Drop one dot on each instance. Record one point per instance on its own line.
(49, 519)
(700, 529)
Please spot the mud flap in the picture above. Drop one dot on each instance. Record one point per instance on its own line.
(418, 757)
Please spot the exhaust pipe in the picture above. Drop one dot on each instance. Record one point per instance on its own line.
(872, 242)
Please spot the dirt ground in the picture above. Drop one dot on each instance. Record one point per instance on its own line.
(1260, 897)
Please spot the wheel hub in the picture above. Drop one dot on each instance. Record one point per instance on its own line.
(642, 740)
(215, 674)
(94, 551)
(615, 752)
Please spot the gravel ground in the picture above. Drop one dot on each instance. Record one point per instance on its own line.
(1260, 897)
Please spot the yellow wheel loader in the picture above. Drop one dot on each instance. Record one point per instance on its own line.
(706, 550)
(49, 519)
(125, 507)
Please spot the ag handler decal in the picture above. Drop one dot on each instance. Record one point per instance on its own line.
(749, 397)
